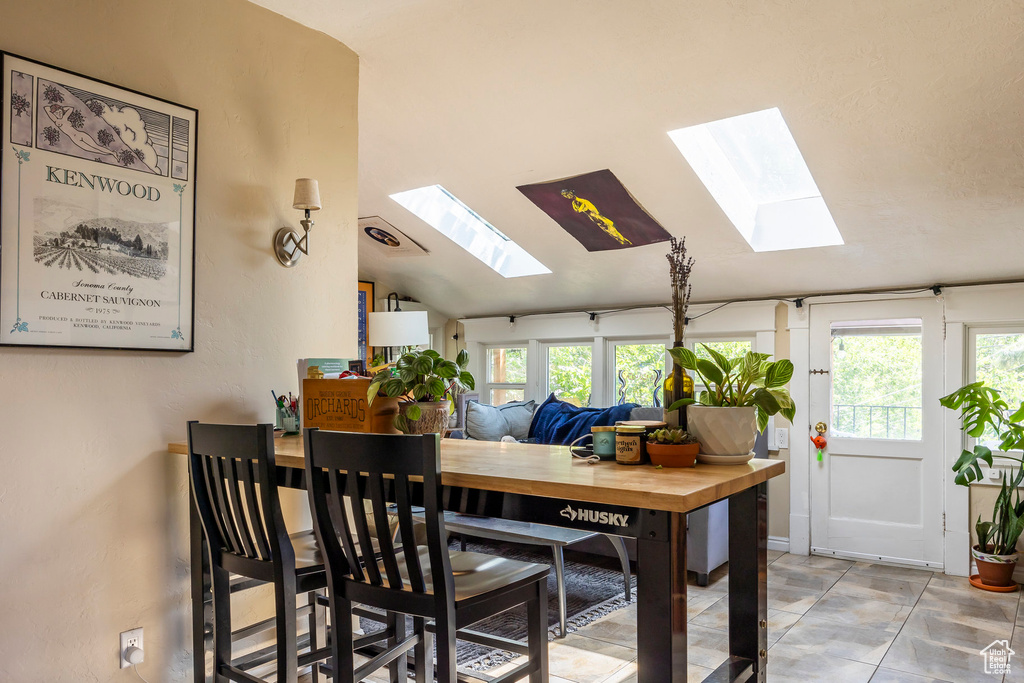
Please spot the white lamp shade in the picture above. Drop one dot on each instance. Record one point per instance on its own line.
(307, 194)
(398, 328)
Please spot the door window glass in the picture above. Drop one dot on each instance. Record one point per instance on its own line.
(876, 379)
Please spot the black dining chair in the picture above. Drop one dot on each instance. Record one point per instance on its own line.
(233, 481)
(348, 472)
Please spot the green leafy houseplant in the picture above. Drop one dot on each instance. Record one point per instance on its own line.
(999, 537)
(982, 407)
(750, 380)
(421, 376)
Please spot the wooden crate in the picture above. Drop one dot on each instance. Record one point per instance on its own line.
(340, 405)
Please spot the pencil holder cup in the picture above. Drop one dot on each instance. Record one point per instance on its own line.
(287, 421)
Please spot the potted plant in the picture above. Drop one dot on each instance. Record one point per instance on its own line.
(740, 395)
(982, 407)
(672, 448)
(426, 382)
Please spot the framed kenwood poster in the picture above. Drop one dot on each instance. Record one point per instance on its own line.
(97, 213)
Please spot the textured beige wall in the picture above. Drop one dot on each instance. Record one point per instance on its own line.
(778, 488)
(93, 511)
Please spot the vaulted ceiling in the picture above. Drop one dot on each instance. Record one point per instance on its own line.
(910, 115)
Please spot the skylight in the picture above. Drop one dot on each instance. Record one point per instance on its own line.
(441, 210)
(754, 170)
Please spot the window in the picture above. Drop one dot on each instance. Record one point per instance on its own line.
(999, 362)
(638, 373)
(876, 379)
(569, 373)
(729, 349)
(444, 212)
(753, 168)
(506, 375)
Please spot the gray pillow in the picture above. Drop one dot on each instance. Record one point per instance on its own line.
(489, 423)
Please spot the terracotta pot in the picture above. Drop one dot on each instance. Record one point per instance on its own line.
(433, 417)
(723, 431)
(673, 454)
(994, 570)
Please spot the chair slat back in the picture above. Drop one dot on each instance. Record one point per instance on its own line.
(348, 473)
(233, 477)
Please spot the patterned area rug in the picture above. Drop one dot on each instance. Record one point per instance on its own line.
(593, 588)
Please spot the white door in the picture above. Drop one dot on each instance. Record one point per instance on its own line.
(876, 379)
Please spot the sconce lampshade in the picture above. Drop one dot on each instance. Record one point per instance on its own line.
(307, 194)
(398, 328)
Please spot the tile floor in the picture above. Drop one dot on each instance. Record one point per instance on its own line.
(829, 620)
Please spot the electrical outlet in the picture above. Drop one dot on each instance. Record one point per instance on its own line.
(129, 639)
(781, 438)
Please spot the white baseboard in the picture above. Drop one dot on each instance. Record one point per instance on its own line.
(778, 543)
(799, 534)
(957, 553)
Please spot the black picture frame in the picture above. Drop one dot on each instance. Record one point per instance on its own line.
(87, 282)
(364, 306)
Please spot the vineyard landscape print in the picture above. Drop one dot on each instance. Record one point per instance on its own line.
(97, 213)
(101, 245)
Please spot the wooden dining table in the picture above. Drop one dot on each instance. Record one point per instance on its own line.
(544, 484)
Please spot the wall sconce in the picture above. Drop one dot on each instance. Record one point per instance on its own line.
(287, 244)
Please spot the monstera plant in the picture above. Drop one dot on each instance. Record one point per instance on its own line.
(753, 387)
(982, 408)
(427, 382)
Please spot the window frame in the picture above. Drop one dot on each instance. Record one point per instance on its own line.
(488, 385)
(544, 364)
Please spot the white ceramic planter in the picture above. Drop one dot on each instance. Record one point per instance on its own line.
(723, 431)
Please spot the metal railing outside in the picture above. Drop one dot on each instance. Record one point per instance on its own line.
(879, 422)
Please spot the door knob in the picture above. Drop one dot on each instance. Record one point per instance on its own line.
(819, 441)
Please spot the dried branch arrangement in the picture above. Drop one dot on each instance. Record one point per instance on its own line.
(679, 266)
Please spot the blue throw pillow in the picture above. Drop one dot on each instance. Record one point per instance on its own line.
(489, 423)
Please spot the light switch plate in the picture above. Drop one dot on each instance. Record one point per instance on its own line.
(781, 438)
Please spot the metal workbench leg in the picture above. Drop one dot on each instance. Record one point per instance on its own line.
(748, 581)
(556, 552)
(661, 605)
(619, 543)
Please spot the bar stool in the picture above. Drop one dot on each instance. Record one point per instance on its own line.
(454, 589)
(233, 481)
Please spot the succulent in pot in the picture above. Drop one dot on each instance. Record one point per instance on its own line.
(984, 410)
(427, 382)
(672, 448)
(751, 387)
